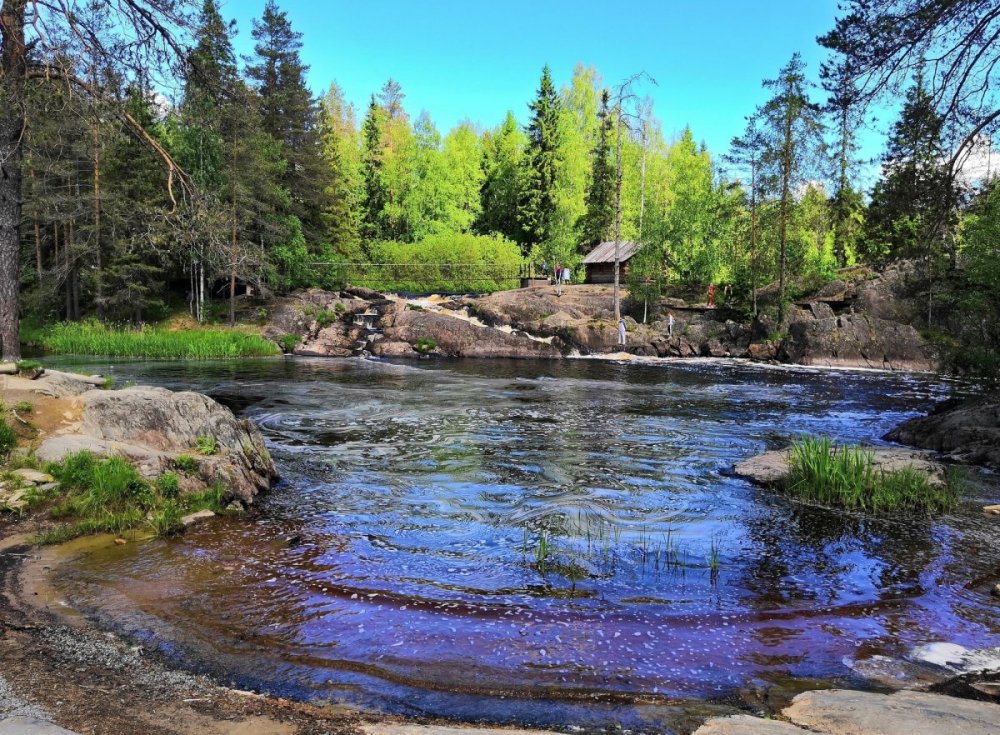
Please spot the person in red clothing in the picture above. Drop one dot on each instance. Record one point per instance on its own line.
(711, 295)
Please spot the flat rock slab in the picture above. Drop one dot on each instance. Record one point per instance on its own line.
(391, 728)
(841, 712)
(747, 725)
(771, 468)
(30, 726)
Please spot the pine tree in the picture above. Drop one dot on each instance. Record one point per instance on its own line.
(596, 223)
(794, 134)
(747, 153)
(290, 114)
(537, 203)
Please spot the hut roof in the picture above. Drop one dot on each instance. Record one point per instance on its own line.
(605, 252)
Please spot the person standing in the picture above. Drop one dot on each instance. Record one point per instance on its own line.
(621, 332)
(670, 324)
(711, 296)
(566, 275)
(557, 274)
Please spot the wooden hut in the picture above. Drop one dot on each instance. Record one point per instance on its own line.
(600, 262)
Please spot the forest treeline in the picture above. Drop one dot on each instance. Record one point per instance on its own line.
(133, 201)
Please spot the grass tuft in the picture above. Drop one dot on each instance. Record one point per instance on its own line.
(846, 477)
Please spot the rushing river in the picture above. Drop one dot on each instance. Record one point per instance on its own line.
(543, 543)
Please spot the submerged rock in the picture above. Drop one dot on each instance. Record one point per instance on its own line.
(153, 426)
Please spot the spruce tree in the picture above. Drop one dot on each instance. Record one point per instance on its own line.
(290, 114)
(374, 195)
(341, 210)
(843, 107)
(913, 205)
(503, 150)
(596, 223)
(537, 203)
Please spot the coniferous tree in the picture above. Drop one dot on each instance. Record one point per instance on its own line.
(372, 161)
(913, 205)
(600, 215)
(503, 150)
(747, 153)
(537, 202)
(843, 106)
(290, 114)
(341, 152)
(794, 133)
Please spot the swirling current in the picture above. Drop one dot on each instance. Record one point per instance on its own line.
(543, 543)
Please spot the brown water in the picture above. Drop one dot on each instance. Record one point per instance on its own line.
(543, 543)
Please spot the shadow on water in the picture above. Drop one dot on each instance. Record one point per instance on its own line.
(542, 543)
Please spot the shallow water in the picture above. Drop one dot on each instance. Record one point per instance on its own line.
(543, 543)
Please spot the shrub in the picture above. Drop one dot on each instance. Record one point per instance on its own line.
(446, 263)
(846, 476)
(25, 366)
(288, 342)
(425, 345)
(24, 407)
(325, 318)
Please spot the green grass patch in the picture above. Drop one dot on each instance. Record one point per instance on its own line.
(207, 444)
(108, 495)
(186, 464)
(25, 366)
(846, 477)
(8, 439)
(95, 338)
(425, 345)
(288, 342)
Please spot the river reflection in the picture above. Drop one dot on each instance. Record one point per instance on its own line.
(543, 543)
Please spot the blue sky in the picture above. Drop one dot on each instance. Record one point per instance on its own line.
(475, 60)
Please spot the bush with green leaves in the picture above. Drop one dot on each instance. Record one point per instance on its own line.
(425, 345)
(446, 263)
(207, 444)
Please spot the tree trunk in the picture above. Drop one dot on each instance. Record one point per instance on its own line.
(753, 236)
(618, 218)
(13, 69)
(98, 255)
(786, 181)
(232, 244)
(38, 247)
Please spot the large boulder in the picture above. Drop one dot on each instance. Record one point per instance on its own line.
(457, 337)
(153, 426)
(857, 340)
(966, 433)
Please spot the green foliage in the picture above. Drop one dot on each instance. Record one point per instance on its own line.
(168, 485)
(24, 407)
(94, 338)
(425, 345)
(288, 342)
(186, 464)
(206, 444)
(537, 200)
(8, 439)
(595, 226)
(26, 366)
(326, 317)
(445, 264)
(845, 476)
(109, 495)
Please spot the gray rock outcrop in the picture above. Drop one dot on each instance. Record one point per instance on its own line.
(966, 433)
(153, 426)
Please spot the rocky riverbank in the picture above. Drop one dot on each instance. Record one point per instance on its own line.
(863, 320)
